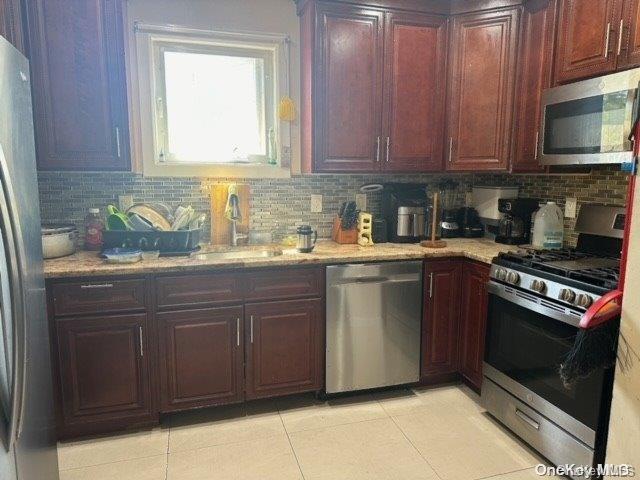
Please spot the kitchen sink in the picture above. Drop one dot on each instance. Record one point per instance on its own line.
(237, 254)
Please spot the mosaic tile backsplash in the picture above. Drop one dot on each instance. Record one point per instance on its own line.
(280, 205)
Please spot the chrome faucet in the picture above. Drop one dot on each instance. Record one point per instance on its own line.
(235, 216)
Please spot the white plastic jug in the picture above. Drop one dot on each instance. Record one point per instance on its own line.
(548, 227)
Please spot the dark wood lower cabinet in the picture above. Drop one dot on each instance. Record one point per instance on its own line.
(201, 357)
(284, 347)
(473, 321)
(103, 363)
(441, 312)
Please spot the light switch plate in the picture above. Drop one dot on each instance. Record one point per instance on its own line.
(570, 207)
(316, 203)
(124, 202)
(361, 202)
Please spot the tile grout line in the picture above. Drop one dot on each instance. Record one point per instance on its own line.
(166, 466)
(504, 473)
(409, 440)
(295, 455)
(109, 463)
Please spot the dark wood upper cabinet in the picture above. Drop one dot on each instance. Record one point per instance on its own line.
(414, 92)
(535, 65)
(201, 357)
(283, 347)
(473, 321)
(441, 311)
(481, 90)
(79, 92)
(630, 37)
(347, 103)
(104, 367)
(11, 17)
(587, 38)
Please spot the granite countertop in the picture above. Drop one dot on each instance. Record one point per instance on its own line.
(82, 264)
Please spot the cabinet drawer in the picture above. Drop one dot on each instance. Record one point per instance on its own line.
(287, 283)
(196, 290)
(99, 296)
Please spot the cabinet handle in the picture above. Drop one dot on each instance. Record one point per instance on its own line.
(450, 149)
(388, 142)
(141, 342)
(96, 286)
(527, 419)
(377, 149)
(431, 285)
(251, 331)
(535, 151)
(118, 142)
(620, 36)
(606, 41)
(238, 331)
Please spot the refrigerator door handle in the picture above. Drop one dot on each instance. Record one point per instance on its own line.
(11, 281)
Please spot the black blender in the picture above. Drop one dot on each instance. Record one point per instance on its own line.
(450, 227)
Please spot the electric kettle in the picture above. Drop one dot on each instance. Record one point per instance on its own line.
(307, 239)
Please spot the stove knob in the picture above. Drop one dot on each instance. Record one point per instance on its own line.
(567, 295)
(501, 274)
(513, 278)
(538, 286)
(584, 300)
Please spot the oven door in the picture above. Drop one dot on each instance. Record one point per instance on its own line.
(589, 122)
(527, 339)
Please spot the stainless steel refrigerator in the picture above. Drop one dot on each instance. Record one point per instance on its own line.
(27, 428)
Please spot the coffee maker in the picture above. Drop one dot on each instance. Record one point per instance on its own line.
(406, 208)
(515, 226)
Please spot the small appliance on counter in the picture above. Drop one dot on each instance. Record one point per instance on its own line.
(307, 238)
(405, 209)
(380, 230)
(485, 200)
(470, 224)
(450, 228)
(515, 227)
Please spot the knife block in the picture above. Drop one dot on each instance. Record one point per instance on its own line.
(339, 235)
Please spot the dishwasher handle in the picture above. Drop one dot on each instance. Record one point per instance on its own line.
(372, 279)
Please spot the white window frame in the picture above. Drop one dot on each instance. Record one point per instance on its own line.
(150, 42)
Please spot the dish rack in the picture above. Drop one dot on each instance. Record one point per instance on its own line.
(174, 243)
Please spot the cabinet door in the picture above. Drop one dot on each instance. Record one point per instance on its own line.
(415, 78)
(201, 357)
(535, 64)
(473, 321)
(481, 78)
(629, 39)
(77, 60)
(104, 368)
(440, 317)
(283, 347)
(11, 23)
(348, 97)
(587, 35)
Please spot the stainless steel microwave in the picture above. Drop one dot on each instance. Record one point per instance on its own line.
(589, 122)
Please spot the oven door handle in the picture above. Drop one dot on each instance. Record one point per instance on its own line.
(535, 304)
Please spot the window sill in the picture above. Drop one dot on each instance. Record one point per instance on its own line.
(226, 171)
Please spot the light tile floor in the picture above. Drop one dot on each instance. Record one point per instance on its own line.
(421, 434)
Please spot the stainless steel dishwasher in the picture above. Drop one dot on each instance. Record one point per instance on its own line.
(373, 325)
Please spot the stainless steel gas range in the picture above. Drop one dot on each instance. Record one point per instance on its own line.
(536, 300)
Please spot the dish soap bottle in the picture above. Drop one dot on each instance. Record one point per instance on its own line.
(93, 228)
(548, 229)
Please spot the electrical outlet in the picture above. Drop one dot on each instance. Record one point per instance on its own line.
(570, 207)
(124, 202)
(316, 203)
(361, 202)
